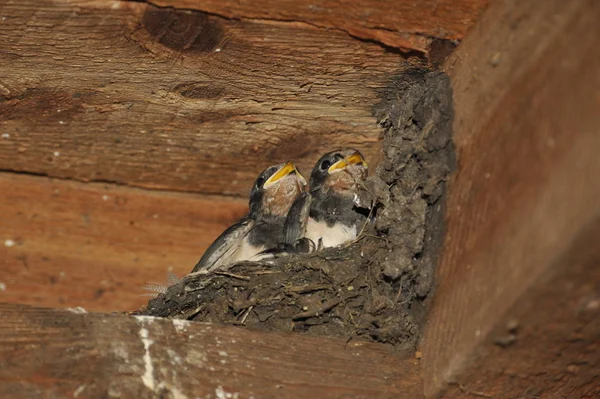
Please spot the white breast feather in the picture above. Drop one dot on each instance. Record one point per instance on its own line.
(247, 252)
(331, 236)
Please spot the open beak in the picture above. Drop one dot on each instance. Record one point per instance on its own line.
(287, 169)
(353, 159)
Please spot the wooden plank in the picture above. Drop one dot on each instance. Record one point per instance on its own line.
(407, 25)
(547, 344)
(68, 244)
(124, 92)
(526, 87)
(52, 353)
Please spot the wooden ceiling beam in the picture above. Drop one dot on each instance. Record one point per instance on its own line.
(406, 25)
(125, 92)
(61, 353)
(547, 343)
(518, 280)
(68, 244)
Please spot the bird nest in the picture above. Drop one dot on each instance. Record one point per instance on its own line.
(377, 287)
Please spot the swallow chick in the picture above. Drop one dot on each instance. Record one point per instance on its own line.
(271, 197)
(331, 213)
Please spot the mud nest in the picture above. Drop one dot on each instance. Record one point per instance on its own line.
(376, 288)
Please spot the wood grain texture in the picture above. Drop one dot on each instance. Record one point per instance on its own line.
(548, 344)
(527, 92)
(68, 244)
(403, 24)
(129, 93)
(51, 353)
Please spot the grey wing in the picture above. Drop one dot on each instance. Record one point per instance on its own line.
(294, 227)
(224, 246)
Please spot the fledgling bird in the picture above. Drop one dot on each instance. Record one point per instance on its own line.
(329, 214)
(271, 197)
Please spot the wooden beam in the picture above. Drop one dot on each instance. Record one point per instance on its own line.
(526, 87)
(52, 353)
(547, 342)
(129, 93)
(68, 244)
(407, 25)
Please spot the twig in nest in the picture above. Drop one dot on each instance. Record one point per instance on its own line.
(328, 305)
(399, 290)
(335, 257)
(245, 316)
(187, 315)
(351, 319)
(424, 133)
(239, 277)
(374, 236)
(261, 272)
(198, 273)
(346, 283)
(308, 288)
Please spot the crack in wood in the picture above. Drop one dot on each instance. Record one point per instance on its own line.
(407, 51)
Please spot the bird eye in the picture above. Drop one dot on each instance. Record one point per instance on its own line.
(260, 181)
(325, 164)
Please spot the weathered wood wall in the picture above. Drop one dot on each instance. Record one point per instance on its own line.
(129, 95)
(94, 245)
(406, 25)
(59, 353)
(517, 311)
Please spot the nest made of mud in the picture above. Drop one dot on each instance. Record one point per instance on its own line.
(375, 288)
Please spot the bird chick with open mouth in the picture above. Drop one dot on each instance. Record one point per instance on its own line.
(271, 197)
(330, 214)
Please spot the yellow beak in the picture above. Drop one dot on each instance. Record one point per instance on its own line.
(352, 159)
(285, 170)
